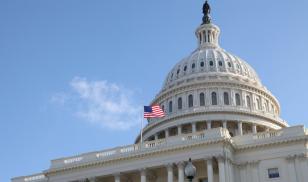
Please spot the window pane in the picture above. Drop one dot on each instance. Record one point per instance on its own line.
(226, 98)
(180, 103)
(214, 98)
(238, 99)
(273, 173)
(190, 101)
(202, 99)
(170, 106)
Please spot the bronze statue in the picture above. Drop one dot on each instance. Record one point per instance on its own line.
(206, 11)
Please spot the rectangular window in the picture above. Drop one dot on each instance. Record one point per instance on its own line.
(273, 173)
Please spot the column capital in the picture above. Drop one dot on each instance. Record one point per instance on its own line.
(169, 166)
(143, 171)
(181, 164)
(253, 163)
(117, 175)
(301, 156)
(221, 158)
(290, 158)
(90, 179)
(208, 158)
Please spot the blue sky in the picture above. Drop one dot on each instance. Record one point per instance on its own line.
(60, 60)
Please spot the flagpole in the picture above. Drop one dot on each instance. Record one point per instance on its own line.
(141, 135)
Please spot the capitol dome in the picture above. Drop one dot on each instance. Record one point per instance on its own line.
(213, 88)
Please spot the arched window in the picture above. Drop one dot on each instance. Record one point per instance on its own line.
(238, 99)
(220, 63)
(178, 71)
(226, 98)
(202, 99)
(190, 101)
(229, 64)
(185, 68)
(214, 98)
(170, 106)
(202, 64)
(163, 107)
(248, 101)
(193, 66)
(180, 103)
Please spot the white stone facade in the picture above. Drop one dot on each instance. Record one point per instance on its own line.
(218, 113)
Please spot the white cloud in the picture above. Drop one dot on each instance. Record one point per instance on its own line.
(60, 98)
(100, 102)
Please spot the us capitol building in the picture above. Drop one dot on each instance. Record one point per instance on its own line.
(218, 113)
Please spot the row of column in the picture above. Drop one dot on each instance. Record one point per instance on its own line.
(223, 166)
(209, 126)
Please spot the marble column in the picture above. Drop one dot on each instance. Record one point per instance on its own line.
(170, 172)
(117, 178)
(254, 128)
(193, 127)
(209, 163)
(156, 136)
(291, 169)
(181, 172)
(230, 170)
(221, 168)
(224, 124)
(255, 171)
(240, 128)
(304, 163)
(166, 133)
(143, 176)
(242, 171)
(209, 125)
(298, 169)
(179, 129)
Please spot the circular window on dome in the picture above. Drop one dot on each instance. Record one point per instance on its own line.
(185, 68)
(229, 64)
(211, 63)
(193, 66)
(202, 64)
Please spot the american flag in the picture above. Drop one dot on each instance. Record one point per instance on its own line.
(153, 112)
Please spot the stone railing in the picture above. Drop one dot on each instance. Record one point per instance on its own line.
(213, 134)
(33, 178)
(271, 116)
(270, 136)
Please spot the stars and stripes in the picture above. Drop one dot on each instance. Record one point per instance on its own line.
(153, 112)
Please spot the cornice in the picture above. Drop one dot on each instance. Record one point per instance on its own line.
(222, 83)
(271, 143)
(132, 157)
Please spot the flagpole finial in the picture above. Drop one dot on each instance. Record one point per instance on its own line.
(206, 13)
